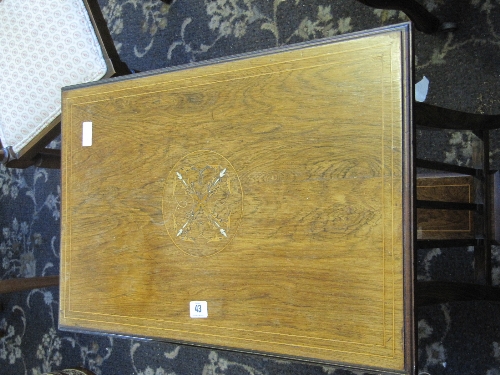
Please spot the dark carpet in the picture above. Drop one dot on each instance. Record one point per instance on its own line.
(464, 73)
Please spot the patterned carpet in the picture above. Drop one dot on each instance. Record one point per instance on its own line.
(464, 73)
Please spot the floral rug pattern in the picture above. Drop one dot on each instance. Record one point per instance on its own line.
(463, 68)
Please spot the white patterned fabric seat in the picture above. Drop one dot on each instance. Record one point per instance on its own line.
(44, 46)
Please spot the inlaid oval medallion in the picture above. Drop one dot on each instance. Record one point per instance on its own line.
(202, 203)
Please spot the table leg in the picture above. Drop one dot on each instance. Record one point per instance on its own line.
(28, 283)
(424, 20)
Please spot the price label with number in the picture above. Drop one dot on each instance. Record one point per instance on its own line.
(198, 309)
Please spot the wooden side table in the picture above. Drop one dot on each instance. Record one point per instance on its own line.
(261, 203)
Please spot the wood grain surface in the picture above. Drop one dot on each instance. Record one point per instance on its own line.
(270, 187)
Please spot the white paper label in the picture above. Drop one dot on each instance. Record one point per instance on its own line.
(198, 309)
(421, 89)
(87, 134)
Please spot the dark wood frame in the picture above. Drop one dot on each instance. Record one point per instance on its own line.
(35, 152)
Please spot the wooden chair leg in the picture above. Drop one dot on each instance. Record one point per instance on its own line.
(424, 20)
(115, 65)
(48, 158)
(28, 283)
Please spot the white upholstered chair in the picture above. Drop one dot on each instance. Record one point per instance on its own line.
(46, 45)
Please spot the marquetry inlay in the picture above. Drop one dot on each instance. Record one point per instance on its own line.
(202, 205)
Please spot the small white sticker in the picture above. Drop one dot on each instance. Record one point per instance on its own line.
(421, 89)
(198, 309)
(87, 134)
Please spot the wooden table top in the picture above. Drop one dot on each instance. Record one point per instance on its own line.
(261, 203)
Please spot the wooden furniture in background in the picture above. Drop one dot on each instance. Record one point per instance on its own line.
(441, 224)
(37, 61)
(274, 191)
(480, 208)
